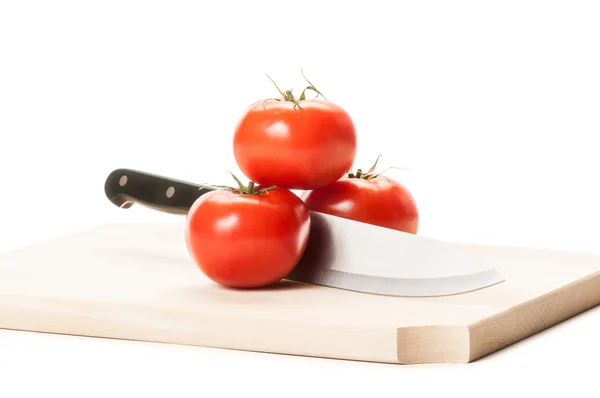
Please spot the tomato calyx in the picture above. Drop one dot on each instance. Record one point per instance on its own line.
(370, 174)
(250, 189)
(287, 95)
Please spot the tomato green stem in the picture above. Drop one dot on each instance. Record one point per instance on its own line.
(277, 87)
(310, 87)
(372, 169)
(369, 175)
(289, 96)
(245, 190)
(266, 189)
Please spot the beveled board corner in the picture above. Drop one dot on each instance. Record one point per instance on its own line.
(469, 343)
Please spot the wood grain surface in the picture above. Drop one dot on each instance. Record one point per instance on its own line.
(136, 281)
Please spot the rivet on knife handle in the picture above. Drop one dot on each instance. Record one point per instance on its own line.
(125, 187)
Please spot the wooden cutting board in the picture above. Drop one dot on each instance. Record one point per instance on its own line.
(136, 281)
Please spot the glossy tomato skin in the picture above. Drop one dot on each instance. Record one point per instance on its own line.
(247, 241)
(275, 144)
(380, 201)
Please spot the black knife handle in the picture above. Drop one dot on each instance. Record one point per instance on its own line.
(125, 187)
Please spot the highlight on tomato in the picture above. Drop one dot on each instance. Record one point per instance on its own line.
(295, 143)
(248, 237)
(368, 197)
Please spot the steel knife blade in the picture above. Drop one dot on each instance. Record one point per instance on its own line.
(341, 253)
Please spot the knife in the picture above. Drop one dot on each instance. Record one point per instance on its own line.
(341, 253)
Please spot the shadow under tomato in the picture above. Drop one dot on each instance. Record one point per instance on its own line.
(227, 296)
(282, 285)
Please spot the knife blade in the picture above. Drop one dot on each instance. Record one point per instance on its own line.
(341, 253)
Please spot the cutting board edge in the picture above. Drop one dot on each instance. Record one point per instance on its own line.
(433, 344)
(468, 343)
(498, 331)
(21, 313)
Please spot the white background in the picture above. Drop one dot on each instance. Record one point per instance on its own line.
(494, 107)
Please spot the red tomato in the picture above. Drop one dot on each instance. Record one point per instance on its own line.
(247, 240)
(295, 145)
(380, 201)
